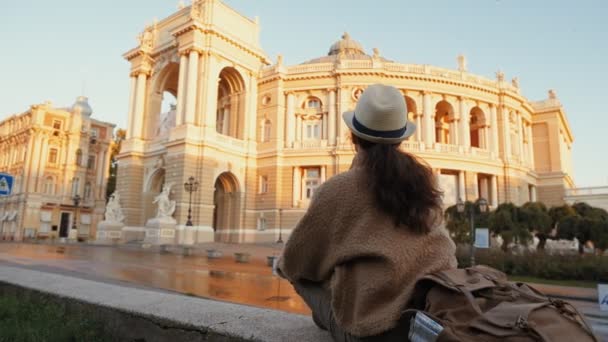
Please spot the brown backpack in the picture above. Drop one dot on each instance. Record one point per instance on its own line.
(479, 304)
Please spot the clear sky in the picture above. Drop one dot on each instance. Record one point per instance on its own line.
(58, 49)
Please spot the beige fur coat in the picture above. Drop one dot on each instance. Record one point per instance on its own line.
(369, 265)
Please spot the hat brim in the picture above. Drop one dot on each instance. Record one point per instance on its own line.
(410, 128)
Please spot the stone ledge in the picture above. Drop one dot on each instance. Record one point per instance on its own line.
(154, 315)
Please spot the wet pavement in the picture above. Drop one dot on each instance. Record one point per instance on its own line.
(219, 279)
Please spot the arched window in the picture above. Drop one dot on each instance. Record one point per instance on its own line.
(87, 190)
(266, 130)
(313, 102)
(478, 128)
(444, 116)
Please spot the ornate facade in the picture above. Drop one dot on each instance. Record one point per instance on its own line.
(54, 155)
(260, 136)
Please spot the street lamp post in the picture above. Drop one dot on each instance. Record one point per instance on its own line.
(483, 207)
(280, 240)
(190, 186)
(76, 200)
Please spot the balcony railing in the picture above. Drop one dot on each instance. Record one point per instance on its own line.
(589, 191)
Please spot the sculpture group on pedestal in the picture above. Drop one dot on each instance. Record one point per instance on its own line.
(166, 206)
(113, 210)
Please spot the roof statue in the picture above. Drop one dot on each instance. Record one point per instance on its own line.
(462, 62)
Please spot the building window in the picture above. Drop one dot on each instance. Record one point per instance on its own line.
(94, 132)
(263, 184)
(261, 223)
(49, 186)
(91, 163)
(78, 157)
(313, 102)
(87, 190)
(266, 131)
(313, 130)
(311, 181)
(53, 156)
(56, 124)
(75, 186)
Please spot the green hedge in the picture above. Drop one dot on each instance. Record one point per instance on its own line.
(532, 264)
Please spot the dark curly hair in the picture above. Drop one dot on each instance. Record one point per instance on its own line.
(404, 187)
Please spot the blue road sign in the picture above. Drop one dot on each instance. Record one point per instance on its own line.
(6, 184)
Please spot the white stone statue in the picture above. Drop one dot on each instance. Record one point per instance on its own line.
(462, 62)
(113, 209)
(166, 207)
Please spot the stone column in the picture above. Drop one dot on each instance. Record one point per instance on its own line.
(530, 145)
(140, 102)
(34, 163)
(520, 136)
(298, 128)
(453, 133)
(461, 186)
(250, 114)
(418, 127)
(429, 127)
(494, 195)
(465, 129)
(189, 117)
(472, 186)
(290, 122)
(332, 117)
(43, 159)
(181, 90)
(483, 186)
(486, 138)
(533, 193)
(323, 173)
(131, 112)
(494, 127)
(324, 128)
(297, 181)
(506, 132)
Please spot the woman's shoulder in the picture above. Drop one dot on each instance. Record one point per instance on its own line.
(342, 181)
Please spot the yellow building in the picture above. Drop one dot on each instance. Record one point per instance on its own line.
(54, 155)
(259, 137)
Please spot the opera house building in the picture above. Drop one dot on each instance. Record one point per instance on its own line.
(260, 136)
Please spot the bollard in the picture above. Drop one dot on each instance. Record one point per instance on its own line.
(242, 258)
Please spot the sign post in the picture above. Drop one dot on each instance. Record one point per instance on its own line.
(482, 238)
(6, 184)
(602, 291)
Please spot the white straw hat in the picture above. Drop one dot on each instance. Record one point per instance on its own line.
(380, 116)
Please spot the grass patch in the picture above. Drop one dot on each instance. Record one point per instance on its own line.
(35, 319)
(569, 283)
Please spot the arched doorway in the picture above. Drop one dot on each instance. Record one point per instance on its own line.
(153, 187)
(227, 205)
(230, 115)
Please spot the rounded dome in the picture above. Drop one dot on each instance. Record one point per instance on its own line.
(346, 46)
(82, 106)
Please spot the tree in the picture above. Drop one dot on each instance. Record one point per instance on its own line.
(535, 217)
(599, 235)
(459, 224)
(506, 221)
(114, 150)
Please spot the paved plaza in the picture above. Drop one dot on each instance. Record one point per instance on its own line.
(190, 272)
